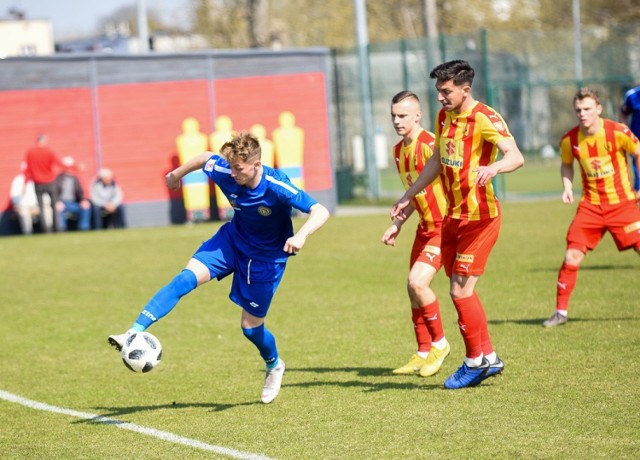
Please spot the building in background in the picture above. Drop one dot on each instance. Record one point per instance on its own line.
(26, 37)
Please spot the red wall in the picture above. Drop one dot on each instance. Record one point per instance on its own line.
(139, 123)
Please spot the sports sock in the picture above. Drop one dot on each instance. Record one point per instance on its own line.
(487, 347)
(433, 320)
(473, 362)
(423, 338)
(439, 344)
(265, 342)
(567, 279)
(470, 323)
(491, 357)
(166, 298)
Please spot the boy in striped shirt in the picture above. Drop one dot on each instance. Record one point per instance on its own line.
(410, 155)
(468, 137)
(608, 202)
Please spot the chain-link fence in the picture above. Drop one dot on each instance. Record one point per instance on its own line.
(530, 77)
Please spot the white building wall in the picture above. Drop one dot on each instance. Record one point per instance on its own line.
(27, 37)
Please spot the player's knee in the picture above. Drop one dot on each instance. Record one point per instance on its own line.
(184, 282)
(253, 333)
(574, 256)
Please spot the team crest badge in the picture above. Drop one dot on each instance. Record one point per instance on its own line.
(264, 211)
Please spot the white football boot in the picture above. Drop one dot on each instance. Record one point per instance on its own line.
(117, 340)
(272, 382)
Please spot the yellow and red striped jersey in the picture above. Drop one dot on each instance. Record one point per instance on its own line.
(466, 141)
(430, 203)
(603, 161)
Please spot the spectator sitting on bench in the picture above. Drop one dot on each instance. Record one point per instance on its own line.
(71, 204)
(106, 200)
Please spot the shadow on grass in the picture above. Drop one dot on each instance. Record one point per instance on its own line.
(361, 372)
(367, 386)
(120, 411)
(110, 412)
(589, 268)
(572, 319)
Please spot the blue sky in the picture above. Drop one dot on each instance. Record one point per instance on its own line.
(72, 18)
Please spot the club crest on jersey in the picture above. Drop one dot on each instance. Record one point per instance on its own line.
(264, 211)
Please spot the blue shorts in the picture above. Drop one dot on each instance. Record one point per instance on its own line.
(254, 281)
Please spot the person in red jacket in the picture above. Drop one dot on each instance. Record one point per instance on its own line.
(42, 169)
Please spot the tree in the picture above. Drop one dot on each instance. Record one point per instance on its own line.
(258, 17)
(124, 21)
(330, 23)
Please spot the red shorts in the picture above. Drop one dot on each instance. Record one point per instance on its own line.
(592, 221)
(466, 244)
(426, 247)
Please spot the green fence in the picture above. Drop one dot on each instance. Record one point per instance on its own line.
(530, 77)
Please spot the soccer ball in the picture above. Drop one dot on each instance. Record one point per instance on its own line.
(141, 352)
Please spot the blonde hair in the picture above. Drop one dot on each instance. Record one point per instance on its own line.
(243, 146)
(586, 92)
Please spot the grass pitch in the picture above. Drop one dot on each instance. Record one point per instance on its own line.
(342, 321)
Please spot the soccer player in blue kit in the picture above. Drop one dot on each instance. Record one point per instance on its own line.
(630, 115)
(255, 245)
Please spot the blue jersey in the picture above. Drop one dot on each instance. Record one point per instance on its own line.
(261, 222)
(631, 106)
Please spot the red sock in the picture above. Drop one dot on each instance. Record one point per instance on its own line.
(470, 317)
(433, 320)
(567, 278)
(487, 347)
(422, 334)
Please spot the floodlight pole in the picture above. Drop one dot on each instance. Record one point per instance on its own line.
(143, 30)
(577, 40)
(368, 131)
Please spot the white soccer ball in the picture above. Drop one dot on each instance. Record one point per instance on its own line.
(141, 352)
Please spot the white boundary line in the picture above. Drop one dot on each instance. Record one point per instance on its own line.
(164, 435)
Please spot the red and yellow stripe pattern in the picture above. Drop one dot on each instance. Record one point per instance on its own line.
(466, 141)
(410, 160)
(603, 161)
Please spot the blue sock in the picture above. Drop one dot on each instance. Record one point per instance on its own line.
(165, 299)
(265, 342)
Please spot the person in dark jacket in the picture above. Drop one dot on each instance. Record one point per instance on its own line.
(71, 203)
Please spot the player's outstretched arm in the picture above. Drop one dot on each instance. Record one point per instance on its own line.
(172, 179)
(429, 173)
(318, 215)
